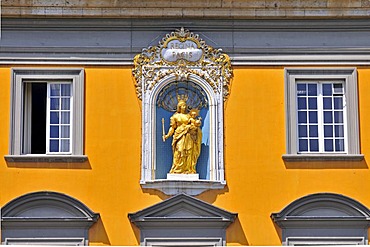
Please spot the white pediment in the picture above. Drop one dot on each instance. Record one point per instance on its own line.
(45, 204)
(325, 209)
(182, 206)
(183, 220)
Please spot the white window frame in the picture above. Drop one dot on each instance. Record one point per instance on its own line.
(349, 78)
(216, 170)
(317, 241)
(183, 242)
(320, 116)
(48, 124)
(46, 241)
(20, 76)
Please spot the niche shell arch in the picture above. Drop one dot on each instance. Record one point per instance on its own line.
(211, 73)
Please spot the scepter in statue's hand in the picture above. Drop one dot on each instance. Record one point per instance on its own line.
(163, 132)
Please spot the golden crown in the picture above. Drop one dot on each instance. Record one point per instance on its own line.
(182, 97)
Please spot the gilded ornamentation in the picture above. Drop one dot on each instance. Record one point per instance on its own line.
(182, 53)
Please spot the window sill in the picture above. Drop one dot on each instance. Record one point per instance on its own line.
(47, 158)
(193, 188)
(322, 157)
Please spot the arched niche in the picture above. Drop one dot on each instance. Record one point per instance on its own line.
(204, 78)
(46, 218)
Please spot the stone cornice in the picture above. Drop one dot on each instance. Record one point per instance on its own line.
(235, 9)
(115, 41)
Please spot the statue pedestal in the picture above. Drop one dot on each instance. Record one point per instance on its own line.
(171, 176)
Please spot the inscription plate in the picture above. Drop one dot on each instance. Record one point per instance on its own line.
(187, 50)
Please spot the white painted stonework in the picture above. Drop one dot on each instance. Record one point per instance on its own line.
(180, 177)
(212, 74)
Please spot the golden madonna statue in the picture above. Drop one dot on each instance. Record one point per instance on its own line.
(187, 138)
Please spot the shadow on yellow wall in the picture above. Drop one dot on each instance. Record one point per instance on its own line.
(50, 165)
(235, 234)
(326, 165)
(98, 234)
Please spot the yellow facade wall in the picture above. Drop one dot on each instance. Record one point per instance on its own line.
(259, 182)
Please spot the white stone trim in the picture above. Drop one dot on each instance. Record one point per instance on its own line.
(183, 242)
(319, 241)
(215, 100)
(46, 241)
(338, 59)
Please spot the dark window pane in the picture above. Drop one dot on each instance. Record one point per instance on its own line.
(326, 89)
(339, 145)
(338, 88)
(328, 117)
(302, 130)
(328, 131)
(54, 118)
(301, 89)
(339, 130)
(314, 131)
(302, 103)
(302, 117)
(312, 89)
(338, 117)
(314, 145)
(338, 103)
(38, 118)
(66, 89)
(312, 103)
(303, 145)
(54, 146)
(54, 90)
(312, 116)
(328, 145)
(327, 103)
(54, 131)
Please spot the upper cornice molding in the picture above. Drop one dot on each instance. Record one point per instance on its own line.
(235, 9)
(115, 41)
(93, 23)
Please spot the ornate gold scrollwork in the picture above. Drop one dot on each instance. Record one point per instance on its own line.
(190, 55)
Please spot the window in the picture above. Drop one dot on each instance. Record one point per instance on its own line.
(45, 241)
(327, 241)
(322, 114)
(46, 218)
(47, 115)
(183, 242)
(323, 219)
